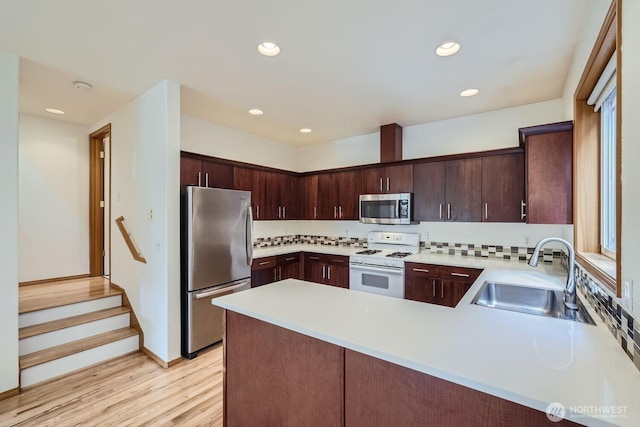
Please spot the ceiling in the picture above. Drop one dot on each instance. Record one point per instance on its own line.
(346, 66)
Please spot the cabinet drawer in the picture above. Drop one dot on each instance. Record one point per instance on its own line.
(287, 259)
(313, 257)
(460, 273)
(263, 263)
(422, 270)
(338, 260)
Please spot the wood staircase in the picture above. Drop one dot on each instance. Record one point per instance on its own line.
(66, 326)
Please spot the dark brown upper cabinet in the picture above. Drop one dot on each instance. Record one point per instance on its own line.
(278, 196)
(338, 195)
(248, 179)
(448, 191)
(549, 173)
(389, 179)
(503, 188)
(308, 188)
(204, 173)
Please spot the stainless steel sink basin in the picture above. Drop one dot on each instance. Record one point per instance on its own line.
(530, 300)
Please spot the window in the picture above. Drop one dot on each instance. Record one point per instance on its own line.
(608, 174)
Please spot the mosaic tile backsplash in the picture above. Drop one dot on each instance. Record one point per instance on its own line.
(507, 253)
(624, 328)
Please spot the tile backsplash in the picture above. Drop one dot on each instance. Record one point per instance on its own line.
(507, 253)
(623, 327)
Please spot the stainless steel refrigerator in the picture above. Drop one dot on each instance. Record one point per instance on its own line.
(217, 249)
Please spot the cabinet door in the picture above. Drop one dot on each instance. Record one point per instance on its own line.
(271, 188)
(428, 194)
(190, 171)
(337, 275)
(463, 190)
(289, 200)
(399, 179)
(452, 291)
(502, 188)
(421, 282)
(288, 266)
(263, 277)
(349, 188)
(314, 268)
(374, 181)
(248, 180)
(308, 190)
(328, 196)
(549, 178)
(217, 175)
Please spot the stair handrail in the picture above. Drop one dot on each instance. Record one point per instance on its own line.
(127, 238)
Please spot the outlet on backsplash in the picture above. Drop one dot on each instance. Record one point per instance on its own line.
(527, 241)
(627, 294)
(427, 237)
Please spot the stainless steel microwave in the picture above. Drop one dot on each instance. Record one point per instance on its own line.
(386, 208)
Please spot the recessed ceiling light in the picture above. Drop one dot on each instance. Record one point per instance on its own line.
(268, 49)
(447, 48)
(53, 111)
(256, 112)
(469, 92)
(84, 86)
(305, 130)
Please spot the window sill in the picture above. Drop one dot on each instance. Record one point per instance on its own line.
(600, 267)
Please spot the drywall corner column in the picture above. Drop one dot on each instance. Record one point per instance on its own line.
(9, 65)
(145, 162)
(630, 150)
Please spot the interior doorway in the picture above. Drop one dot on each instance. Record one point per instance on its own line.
(99, 198)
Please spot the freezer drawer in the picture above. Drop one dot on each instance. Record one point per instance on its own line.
(203, 319)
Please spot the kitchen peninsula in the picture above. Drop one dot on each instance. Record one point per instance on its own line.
(298, 353)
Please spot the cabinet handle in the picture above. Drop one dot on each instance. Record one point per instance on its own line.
(264, 263)
(314, 257)
(257, 211)
(335, 212)
(486, 210)
(290, 259)
(441, 289)
(440, 215)
(459, 274)
(206, 179)
(340, 212)
(387, 184)
(315, 212)
(421, 270)
(279, 273)
(337, 260)
(433, 281)
(323, 271)
(522, 212)
(279, 212)
(448, 210)
(275, 277)
(199, 179)
(328, 272)
(284, 212)
(381, 185)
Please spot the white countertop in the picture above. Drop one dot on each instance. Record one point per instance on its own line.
(523, 358)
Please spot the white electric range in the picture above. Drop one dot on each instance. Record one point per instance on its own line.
(380, 268)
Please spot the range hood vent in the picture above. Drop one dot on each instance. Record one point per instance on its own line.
(390, 143)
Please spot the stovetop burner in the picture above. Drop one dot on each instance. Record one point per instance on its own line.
(399, 254)
(368, 252)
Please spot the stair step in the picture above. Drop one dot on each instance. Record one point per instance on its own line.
(53, 353)
(62, 312)
(49, 295)
(69, 322)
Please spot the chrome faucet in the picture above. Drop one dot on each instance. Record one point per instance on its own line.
(570, 290)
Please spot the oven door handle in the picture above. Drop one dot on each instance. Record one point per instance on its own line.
(368, 267)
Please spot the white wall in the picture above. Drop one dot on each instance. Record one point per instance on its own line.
(8, 221)
(631, 148)
(54, 199)
(145, 158)
(211, 139)
(477, 132)
(591, 24)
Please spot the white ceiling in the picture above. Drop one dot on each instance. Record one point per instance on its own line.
(346, 67)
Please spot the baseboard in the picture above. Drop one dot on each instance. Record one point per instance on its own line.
(55, 279)
(159, 361)
(9, 393)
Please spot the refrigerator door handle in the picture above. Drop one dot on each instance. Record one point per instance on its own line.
(249, 234)
(220, 291)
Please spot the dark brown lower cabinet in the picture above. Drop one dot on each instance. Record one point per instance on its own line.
(271, 269)
(277, 377)
(438, 284)
(381, 394)
(326, 269)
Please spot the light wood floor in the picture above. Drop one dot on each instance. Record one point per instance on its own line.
(128, 391)
(47, 295)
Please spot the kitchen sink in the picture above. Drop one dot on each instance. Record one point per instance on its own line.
(530, 300)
